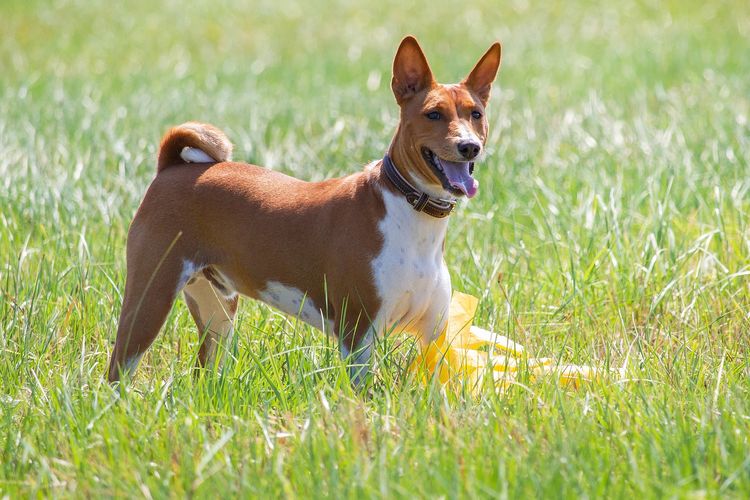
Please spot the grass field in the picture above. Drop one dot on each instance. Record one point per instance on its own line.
(614, 208)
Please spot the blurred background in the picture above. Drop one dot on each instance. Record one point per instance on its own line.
(317, 73)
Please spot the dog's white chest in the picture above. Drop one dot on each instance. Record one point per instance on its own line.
(410, 274)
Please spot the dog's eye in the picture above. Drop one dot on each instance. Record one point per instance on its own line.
(433, 115)
(476, 115)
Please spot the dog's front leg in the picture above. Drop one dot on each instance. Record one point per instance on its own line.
(356, 344)
(360, 359)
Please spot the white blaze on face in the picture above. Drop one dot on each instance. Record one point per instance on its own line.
(465, 133)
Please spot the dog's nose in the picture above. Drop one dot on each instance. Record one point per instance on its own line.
(469, 149)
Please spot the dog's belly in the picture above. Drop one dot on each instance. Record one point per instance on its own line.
(410, 275)
(295, 303)
(283, 297)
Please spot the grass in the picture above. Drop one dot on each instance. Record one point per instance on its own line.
(611, 225)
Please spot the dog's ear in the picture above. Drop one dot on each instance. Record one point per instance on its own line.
(411, 72)
(481, 77)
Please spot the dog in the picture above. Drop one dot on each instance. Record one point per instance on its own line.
(353, 256)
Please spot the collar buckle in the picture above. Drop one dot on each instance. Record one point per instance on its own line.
(421, 202)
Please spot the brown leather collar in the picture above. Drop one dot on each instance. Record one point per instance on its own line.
(421, 202)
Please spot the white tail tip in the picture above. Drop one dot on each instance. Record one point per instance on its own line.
(195, 155)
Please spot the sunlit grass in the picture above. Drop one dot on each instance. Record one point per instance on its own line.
(611, 228)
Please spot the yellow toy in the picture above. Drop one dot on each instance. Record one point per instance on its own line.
(466, 353)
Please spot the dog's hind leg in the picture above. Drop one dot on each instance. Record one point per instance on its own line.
(213, 308)
(152, 284)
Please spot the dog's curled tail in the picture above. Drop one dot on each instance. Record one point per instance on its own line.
(193, 142)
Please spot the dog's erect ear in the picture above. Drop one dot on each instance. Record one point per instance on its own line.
(411, 73)
(481, 77)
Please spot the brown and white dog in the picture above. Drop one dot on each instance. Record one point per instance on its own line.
(353, 256)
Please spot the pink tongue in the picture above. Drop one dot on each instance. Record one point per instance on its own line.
(458, 175)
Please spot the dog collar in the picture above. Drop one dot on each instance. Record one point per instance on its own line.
(421, 202)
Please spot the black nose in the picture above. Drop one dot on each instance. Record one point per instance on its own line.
(469, 149)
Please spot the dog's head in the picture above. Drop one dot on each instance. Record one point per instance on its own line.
(443, 128)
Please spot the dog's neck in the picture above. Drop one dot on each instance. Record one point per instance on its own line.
(419, 200)
(427, 231)
(403, 152)
(412, 226)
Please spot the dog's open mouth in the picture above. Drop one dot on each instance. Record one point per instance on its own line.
(454, 175)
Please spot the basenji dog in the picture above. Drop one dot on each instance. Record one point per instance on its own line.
(354, 256)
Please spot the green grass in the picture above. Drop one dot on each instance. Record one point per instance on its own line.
(614, 208)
